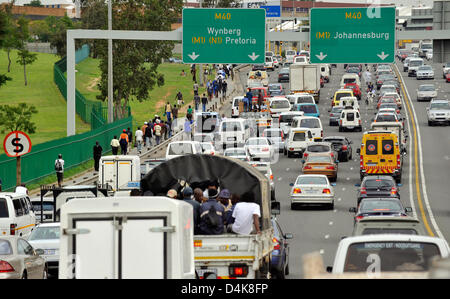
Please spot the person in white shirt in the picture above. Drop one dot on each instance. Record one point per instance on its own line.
(22, 189)
(139, 139)
(246, 216)
(59, 167)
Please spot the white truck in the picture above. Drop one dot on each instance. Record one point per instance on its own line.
(227, 255)
(126, 238)
(305, 78)
(117, 171)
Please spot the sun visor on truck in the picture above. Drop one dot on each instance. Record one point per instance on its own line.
(236, 176)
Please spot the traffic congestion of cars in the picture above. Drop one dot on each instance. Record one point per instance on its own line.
(355, 129)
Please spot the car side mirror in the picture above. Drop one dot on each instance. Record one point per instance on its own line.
(303, 161)
(288, 236)
(291, 184)
(337, 161)
(329, 269)
(275, 207)
(399, 185)
(333, 184)
(352, 210)
(358, 151)
(357, 185)
(39, 251)
(408, 210)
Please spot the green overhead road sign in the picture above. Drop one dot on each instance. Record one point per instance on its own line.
(352, 35)
(224, 35)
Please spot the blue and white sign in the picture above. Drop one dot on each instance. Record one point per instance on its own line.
(272, 11)
(272, 7)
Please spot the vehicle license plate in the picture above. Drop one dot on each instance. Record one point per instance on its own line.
(201, 272)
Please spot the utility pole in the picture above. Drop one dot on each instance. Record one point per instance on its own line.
(110, 68)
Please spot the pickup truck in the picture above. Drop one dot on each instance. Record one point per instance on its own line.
(257, 79)
(227, 255)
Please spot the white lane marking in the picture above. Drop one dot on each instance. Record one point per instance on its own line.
(321, 251)
(330, 223)
(327, 237)
(339, 199)
(287, 169)
(422, 176)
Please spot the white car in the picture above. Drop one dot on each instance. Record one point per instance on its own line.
(414, 65)
(445, 69)
(208, 148)
(312, 189)
(387, 253)
(426, 92)
(301, 98)
(237, 153)
(438, 112)
(181, 148)
(260, 148)
(233, 132)
(386, 117)
(235, 106)
(276, 135)
(285, 120)
(396, 96)
(387, 88)
(300, 60)
(16, 215)
(297, 141)
(290, 54)
(425, 72)
(46, 237)
(269, 63)
(264, 168)
(314, 124)
(350, 120)
(278, 105)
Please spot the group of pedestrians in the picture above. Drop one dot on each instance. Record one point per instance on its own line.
(217, 212)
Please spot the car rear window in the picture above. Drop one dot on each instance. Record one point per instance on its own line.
(3, 208)
(273, 133)
(300, 136)
(5, 248)
(310, 123)
(388, 147)
(318, 148)
(234, 153)
(257, 141)
(392, 256)
(18, 207)
(48, 206)
(286, 118)
(350, 116)
(305, 100)
(311, 181)
(343, 94)
(372, 147)
(180, 149)
(377, 231)
(378, 183)
(318, 159)
(280, 104)
(231, 126)
(349, 80)
(307, 108)
(381, 206)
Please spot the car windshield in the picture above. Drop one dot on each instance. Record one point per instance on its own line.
(5, 248)
(180, 149)
(318, 148)
(385, 230)
(231, 126)
(394, 256)
(290, 53)
(425, 68)
(426, 88)
(257, 141)
(415, 63)
(280, 104)
(427, 46)
(386, 117)
(3, 208)
(299, 136)
(318, 159)
(307, 109)
(305, 100)
(310, 123)
(274, 87)
(45, 233)
(440, 106)
(380, 206)
(378, 184)
(287, 118)
(234, 153)
(311, 180)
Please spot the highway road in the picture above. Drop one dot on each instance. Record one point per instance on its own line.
(320, 230)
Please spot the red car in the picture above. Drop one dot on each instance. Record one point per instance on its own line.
(322, 82)
(355, 88)
(447, 78)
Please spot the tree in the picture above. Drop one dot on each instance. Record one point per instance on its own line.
(136, 62)
(34, 3)
(25, 57)
(40, 30)
(58, 33)
(3, 79)
(222, 3)
(94, 16)
(10, 41)
(17, 118)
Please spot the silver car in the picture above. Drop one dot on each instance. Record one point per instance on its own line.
(19, 260)
(46, 237)
(276, 136)
(438, 112)
(426, 92)
(425, 72)
(312, 189)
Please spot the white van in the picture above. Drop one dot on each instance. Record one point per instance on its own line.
(325, 72)
(181, 148)
(312, 123)
(269, 63)
(235, 106)
(300, 60)
(278, 105)
(350, 120)
(298, 140)
(350, 78)
(16, 215)
(300, 98)
(117, 171)
(349, 102)
(285, 120)
(413, 66)
(233, 132)
(290, 54)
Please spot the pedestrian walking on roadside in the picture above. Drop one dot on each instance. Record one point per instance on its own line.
(195, 88)
(194, 73)
(163, 130)
(224, 89)
(168, 110)
(148, 135)
(175, 112)
(123, 140)
(115, 144)
(260, 100)
(59, 168)
(189, 110)
(144, 129)
(204, 102)
(196, 101)
(157, 131)
(130, 139)
(179, 98)
(21, 189)
(97, 152)
(169, 128)
(187, 129)
(139, 139)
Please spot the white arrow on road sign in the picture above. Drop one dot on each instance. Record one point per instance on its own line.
(321, 56)
(193, 56)
(382, 55)
(253, 56)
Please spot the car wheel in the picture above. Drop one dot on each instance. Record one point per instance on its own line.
(286, 270)
(430, 123)
(331, 206)
(289, 154)
(293, 206)
(24, 275)
(45, 274)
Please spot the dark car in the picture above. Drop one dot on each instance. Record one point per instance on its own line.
(379, 207)
(354, 70)
(275, 89)
(382, 78)
(335, 115)
(283, 75)
(342, 145)
(258, 67)
(279, 266)
(378, 186)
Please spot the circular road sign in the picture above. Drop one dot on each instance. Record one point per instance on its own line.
(16, 144)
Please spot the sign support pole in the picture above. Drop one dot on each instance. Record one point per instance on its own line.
(18, 171)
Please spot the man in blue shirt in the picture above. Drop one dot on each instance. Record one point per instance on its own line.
(212, 215)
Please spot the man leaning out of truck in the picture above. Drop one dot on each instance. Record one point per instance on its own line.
(246, 216)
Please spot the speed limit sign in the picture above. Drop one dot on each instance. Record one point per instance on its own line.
(17, 144)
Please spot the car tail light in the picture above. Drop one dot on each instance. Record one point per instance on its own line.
(266, 149)
(359, 218)
(12, 229)
(329, 167)
(5, 267)
(305, 155)
(363, 190)
(393, 191)
(332, 155)
(271, 177)
(238, 270)
(307, 167)
(321, 134)
(277, 244)
(291, 148)
(359, 122)
(297, 191)
(398, 161)
(326, 191)
(361, 162)
(344, 147)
